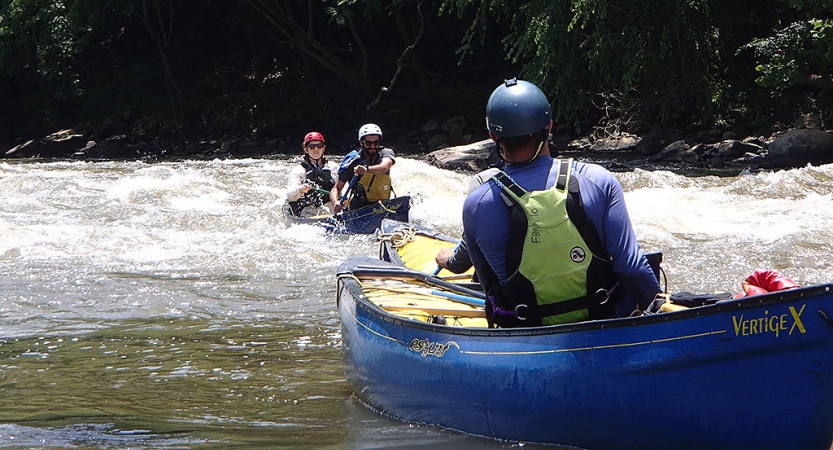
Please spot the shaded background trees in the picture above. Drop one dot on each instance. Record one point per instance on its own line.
(272, 68)
(675, 63)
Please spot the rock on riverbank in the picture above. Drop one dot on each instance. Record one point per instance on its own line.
(805, 142)
(114, 139)
(791, 148)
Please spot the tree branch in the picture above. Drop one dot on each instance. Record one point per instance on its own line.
(279, 15)
(401, 61)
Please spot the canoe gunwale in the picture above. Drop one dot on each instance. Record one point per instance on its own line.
(346, 222)
(348, 278)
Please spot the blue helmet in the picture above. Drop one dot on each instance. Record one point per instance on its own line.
(517, 108)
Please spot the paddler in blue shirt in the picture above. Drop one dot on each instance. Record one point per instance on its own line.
(458, 260)
(367, 170)
(551, 239)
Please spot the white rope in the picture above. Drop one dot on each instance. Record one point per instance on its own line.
(398, 238)
(385, 207)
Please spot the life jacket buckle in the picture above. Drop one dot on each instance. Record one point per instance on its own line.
(518, 311)
(605, 293)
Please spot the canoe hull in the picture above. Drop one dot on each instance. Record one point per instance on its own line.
(365, 220)
(752, 373)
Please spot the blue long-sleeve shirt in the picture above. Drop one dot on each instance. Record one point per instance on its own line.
(486, 225)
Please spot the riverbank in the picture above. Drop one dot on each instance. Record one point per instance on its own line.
(454, 145)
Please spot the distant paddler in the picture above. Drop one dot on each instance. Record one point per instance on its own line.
(367, 170)
(310, 183)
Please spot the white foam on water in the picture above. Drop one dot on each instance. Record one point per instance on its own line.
(198, 238)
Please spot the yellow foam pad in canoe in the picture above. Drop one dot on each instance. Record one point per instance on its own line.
(420, 253)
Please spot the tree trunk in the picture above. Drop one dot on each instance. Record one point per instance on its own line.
(47, 87)
(413, 55)
(277, 12)
(155, 23)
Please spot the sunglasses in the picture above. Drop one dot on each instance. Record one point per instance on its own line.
(316, 145)
(375, 143)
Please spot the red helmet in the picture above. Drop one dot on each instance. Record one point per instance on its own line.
(313, 136)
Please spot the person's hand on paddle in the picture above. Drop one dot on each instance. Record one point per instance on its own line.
(443, 256)
(360, 170)
(340, 203)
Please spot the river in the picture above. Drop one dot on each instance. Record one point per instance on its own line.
(166, 305)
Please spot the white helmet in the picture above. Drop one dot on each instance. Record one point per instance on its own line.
(368, 129)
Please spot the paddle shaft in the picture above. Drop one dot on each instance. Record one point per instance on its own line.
(435, 281)
(435, 310)
(464, 299)
(440, 268)
(349, 188)
(471, 301)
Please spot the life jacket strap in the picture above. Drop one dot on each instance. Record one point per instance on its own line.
(508, 183)
(563, 170)
(600, 297)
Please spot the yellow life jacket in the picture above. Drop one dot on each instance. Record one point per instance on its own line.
(377, 187)
(557, 268)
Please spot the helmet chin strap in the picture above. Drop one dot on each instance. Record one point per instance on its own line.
(531, 158)
(537, 152)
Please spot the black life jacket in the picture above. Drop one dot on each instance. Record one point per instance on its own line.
(319, 177)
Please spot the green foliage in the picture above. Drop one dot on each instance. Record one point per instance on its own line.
(42, 28)
(341, 9)
(795, 54)
(484, 12)
(810, 8)
(659, 58)
(286, 65)
(37, 51)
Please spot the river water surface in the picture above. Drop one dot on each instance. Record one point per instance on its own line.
(167, 305)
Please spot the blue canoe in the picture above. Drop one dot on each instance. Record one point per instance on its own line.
(364, 220)
(750, 373)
